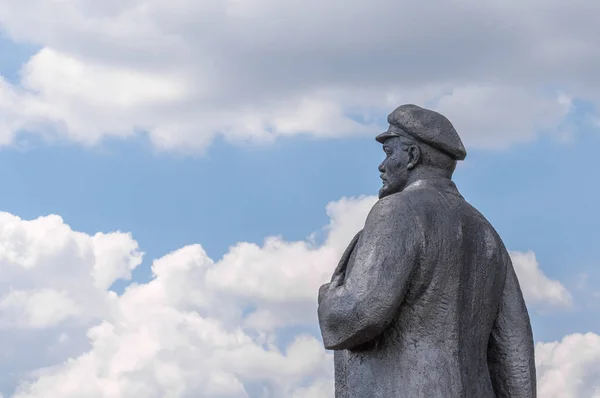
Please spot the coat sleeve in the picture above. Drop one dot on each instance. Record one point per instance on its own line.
(511, 359)
(357, 311)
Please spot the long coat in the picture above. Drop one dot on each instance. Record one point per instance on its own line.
(426, 303)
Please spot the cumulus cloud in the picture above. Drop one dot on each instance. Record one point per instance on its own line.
(51, 273)
(206, 328)
(570, 367)
(539, 290)
(282, 271)
(242, 326)
(37, 308)
(186, 71)
(180, 335)
(53, 287)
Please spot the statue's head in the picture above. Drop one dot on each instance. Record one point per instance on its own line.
(419, 143)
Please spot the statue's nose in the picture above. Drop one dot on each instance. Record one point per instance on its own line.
(381, 168)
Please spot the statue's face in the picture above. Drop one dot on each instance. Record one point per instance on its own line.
(394, 168)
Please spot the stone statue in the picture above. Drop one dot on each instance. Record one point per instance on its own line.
(425, 301)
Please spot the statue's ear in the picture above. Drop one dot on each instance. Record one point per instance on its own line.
(414, 156)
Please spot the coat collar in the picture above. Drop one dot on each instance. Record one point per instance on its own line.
(438, 183)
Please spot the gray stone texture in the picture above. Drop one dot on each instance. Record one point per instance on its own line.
(425, 301)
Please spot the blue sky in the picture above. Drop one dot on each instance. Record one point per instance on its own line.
(539, 196)
(540, 192)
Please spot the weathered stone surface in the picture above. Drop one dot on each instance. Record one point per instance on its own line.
(425, 301)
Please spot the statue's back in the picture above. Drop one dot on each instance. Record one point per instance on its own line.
(437, 344)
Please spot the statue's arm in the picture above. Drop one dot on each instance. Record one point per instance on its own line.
(359, 309)
(511, 358)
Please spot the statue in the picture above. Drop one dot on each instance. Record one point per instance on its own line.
(425, 301)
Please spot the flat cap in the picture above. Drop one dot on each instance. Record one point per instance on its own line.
(427, 126)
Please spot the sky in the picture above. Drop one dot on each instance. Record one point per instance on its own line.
(180, 177)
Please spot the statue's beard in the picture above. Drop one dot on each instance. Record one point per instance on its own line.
(385, 191)
(382, 192)
(389, 189)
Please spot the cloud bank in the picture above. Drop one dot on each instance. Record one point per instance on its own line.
(241, 326)
(184, 71)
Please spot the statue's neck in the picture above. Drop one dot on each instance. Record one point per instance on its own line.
(427, 174)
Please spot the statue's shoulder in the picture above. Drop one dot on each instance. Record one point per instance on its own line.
(409, 197)
(394, 205)
(394, 214)
(411, 202)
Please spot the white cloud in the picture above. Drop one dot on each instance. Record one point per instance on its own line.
(524, 114)
(185, 71)
(37, 308)
(116, 256)
(52, 273)
(242, 326)
(569, 368)
(53, 287)
(539, 290)
(164, 338)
